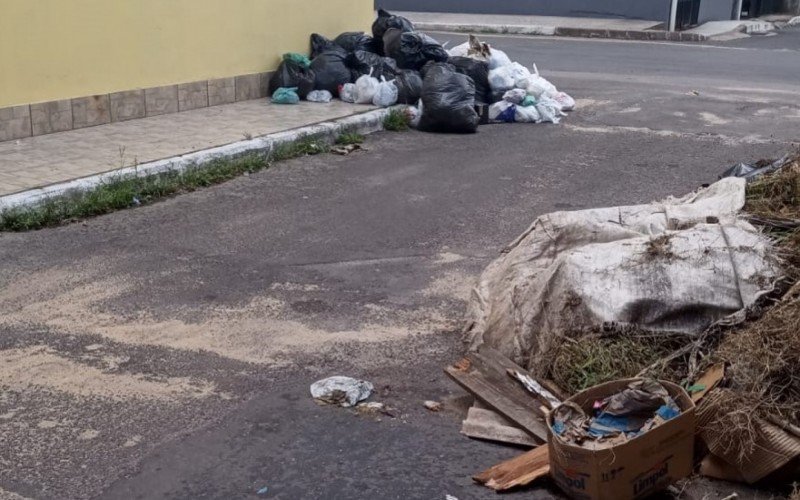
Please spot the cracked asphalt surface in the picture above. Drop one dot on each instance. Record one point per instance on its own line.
(166, 351)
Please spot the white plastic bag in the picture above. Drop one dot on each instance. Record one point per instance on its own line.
(366, 88)
(503, 111)
(515, 96)
(498, 59)
(348, 92)
(566, 101)
(502, 78)
(519, 72)
(319, 96)
(342, 391)
(460, 50)
(549, 110)
(537, 86)
(527, 114)
(415, 115)
(386, 95)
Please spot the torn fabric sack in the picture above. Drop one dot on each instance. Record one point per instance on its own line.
(675, 266)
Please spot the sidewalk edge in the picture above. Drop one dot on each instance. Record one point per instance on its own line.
(362, 123)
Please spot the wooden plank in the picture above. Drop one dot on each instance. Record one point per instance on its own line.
(519, 471)
(709, 380)
(488, 425)
(487, 381)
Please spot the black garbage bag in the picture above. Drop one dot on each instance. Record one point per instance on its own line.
(412, 50)
(448, 101)
(383, 23)
(354, 40)
(431, 64)
(409, 86)
(292, 74)
(331, 70)
(320, 44)
(362, 62)
(479, 72)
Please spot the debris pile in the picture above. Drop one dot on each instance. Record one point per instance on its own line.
(637, 409)
(451, 91)
(648, 316)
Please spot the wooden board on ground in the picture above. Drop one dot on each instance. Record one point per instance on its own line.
(484, 376)
(488, 425)
(519, 471)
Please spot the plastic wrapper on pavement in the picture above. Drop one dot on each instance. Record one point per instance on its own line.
(331, 70)
(342, 391)
(292, 73)
(675, 266)
(448, 100)
(648, 430)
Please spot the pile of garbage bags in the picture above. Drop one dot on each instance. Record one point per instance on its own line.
(449, 91)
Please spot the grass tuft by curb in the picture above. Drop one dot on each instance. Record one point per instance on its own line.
(348, 138)
(126, 192)
(396, 121)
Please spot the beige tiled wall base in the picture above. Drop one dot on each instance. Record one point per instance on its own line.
(17, 122)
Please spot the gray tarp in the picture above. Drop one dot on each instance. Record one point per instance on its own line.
(677, 265)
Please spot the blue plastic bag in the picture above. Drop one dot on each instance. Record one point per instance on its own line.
(285, 95)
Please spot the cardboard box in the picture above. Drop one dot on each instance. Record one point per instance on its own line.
(635, 469)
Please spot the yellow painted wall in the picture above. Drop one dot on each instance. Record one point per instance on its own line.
(56, 49)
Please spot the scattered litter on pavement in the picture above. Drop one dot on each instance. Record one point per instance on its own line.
(752, 171)
(374, 408)
(342, 391)
(434, 406)
(519, 471)
(262, 491)
(285, 96)
(346, 149)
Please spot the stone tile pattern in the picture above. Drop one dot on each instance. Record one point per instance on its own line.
(18, 122)
(127, 105)
(15, 123)
(49, 117)
(33, 162)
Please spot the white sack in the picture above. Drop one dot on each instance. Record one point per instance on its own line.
(678, 265)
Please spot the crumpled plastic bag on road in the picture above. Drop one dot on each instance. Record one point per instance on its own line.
(343, 391)
(674, 266)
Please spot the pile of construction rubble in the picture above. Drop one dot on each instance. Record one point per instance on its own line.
(453, 91)
(713, 275)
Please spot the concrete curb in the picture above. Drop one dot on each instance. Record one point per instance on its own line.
(533, 30)
(362, 123)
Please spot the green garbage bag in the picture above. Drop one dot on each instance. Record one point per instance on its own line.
(286, 95)
(529, 101)
(300, 59)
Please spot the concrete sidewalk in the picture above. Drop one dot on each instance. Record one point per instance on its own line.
(45, 160)
(626, 29)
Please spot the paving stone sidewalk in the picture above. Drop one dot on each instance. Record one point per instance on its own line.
(40, 161)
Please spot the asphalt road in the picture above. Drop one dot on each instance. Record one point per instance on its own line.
(166, 351)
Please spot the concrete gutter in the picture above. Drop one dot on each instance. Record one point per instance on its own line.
(534, 30)
(363, 123)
